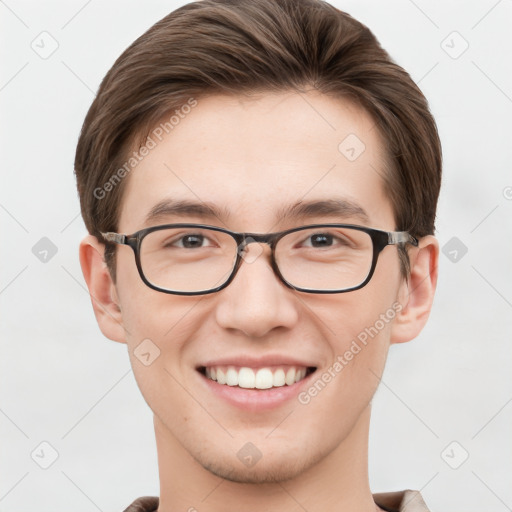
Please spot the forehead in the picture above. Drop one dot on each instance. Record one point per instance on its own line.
(253, 158)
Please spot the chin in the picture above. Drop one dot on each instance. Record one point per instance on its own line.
(277, 469)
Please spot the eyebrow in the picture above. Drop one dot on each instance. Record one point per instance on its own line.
(337, 207)
(185, 207)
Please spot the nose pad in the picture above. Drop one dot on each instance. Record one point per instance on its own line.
(253, 304)
(250, 250)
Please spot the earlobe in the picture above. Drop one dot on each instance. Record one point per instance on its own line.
(102, 290)
(417, 294)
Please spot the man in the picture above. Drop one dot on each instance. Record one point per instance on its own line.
(259, 180)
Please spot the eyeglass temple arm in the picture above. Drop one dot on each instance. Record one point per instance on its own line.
(115, 238)
(399, 237)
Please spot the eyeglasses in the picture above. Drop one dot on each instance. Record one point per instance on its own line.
(196, 259)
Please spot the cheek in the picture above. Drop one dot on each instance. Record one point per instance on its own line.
(365, 315)
(167, 395)
(159, 332)
(342, 389)
(358, 329)
(148, 313)
(158, 328)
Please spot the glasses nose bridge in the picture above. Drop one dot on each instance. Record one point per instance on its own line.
(251, 238)
(245, 239)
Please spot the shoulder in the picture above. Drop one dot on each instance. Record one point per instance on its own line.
(401, 501)
(144, 504)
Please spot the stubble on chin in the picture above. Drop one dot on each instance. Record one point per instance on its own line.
(263, 472)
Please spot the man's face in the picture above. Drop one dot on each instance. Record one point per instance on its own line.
(252, 158)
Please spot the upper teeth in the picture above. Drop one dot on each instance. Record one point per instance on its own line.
(263, 378)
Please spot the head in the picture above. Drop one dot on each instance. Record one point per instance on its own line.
(249, 108)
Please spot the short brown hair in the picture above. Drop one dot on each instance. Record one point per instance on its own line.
(241, 47)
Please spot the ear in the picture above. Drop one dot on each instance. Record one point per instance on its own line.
(417, 294)
(101, 289)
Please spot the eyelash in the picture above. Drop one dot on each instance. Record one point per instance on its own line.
(204, 237)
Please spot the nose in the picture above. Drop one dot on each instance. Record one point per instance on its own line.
(256, 301)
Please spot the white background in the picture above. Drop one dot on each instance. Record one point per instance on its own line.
(62, 382)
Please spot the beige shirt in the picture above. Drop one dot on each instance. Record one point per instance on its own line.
(403, 501)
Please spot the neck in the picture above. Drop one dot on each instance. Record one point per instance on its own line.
(338, 482)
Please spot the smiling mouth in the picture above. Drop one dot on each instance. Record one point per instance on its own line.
(256, 378)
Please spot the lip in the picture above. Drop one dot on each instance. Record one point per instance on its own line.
(257, 362)
(254, 400)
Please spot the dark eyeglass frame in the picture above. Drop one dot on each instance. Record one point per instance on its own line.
(380, 239)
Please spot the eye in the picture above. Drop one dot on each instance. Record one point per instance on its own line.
(321, 240)
(189, 241)
(324, 240)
